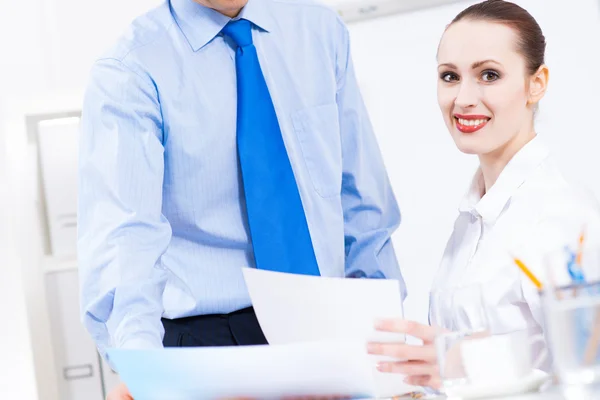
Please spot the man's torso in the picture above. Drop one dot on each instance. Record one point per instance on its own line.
(202, 189)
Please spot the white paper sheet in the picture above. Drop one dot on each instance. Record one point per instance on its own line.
(261, 372)
(298, 308)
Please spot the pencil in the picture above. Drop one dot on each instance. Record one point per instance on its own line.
(580, 249)
(528, 273)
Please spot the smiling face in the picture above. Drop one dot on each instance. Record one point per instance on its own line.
(486, 96)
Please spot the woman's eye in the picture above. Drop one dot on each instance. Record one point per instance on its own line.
(490, 76)
(449, 77)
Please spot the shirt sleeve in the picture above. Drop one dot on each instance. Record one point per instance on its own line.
(122, 233)
(371, 213)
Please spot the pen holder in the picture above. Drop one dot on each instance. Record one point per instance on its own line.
(572, 325)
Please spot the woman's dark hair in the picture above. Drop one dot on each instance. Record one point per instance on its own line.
(531, 43)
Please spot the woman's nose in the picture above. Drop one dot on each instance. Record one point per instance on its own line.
(467, 96)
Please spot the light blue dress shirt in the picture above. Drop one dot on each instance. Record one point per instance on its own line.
(162, 223)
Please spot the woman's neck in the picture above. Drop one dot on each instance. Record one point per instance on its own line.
(492, 164)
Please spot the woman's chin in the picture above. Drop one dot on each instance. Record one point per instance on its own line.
(470, 144)
(468, 148)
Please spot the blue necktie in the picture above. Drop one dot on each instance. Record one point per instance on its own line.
(278, 227)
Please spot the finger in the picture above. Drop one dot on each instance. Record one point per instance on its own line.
(432, 381)
(418, 380)
(408, 368)
(435, 381)
(424, 332)
(120, 392)
(404, 351)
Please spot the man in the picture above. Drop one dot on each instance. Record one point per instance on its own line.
(219, 135)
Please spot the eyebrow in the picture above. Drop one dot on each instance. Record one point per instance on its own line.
(475, 65)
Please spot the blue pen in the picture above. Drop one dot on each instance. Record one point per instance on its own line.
(583, 317)
(574, 268)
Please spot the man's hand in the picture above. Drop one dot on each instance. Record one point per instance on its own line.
(120, 393)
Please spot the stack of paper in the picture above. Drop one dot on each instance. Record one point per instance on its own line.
(257, 372)
(318, 329)
(300, 308)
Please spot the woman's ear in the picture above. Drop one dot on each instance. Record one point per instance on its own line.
(538, 84)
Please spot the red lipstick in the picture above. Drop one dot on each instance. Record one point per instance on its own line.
(470, 123)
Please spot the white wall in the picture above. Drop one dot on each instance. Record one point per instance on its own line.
(47, 49)
(19, 72)
(396, 67)
(16, 368)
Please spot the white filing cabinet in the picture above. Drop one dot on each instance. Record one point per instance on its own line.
(81, 372)
(58, 141)
(77, 361)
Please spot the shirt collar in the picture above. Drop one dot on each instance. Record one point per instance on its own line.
(516, 172)
(201, 24)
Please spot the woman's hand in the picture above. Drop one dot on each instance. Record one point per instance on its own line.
(418, 363)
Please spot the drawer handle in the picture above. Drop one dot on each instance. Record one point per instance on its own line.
(78, 372)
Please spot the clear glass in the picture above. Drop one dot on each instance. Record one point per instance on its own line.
(460, 314)
(572, 320)
(470, 356)
(571, 306)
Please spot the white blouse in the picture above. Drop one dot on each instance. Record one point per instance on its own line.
(530, 211)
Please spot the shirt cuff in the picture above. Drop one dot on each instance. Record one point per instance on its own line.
(138, 342)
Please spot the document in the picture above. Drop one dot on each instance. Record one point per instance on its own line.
(299, 308)
(260, 372)
(317, 327)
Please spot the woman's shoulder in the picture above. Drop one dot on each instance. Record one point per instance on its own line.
(553, 192)
(564, 207)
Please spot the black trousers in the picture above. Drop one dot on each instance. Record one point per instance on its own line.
(239, 328)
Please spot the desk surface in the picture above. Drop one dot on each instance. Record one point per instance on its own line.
(553, 393)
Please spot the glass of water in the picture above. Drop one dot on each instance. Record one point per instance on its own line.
(459, 314)
(571, 305)
(572, 320)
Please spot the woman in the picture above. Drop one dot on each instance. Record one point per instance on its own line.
(491, 77)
